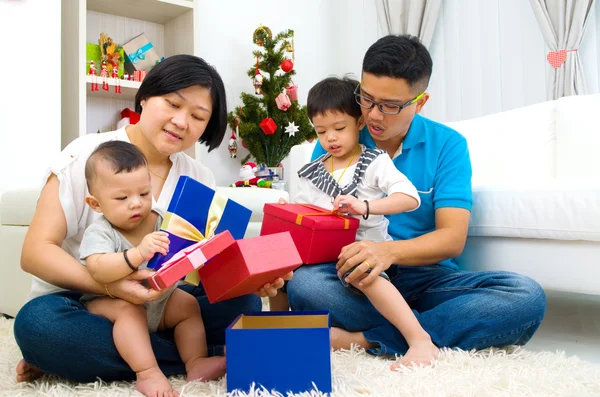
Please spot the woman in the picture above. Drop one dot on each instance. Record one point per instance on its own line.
(181, 101)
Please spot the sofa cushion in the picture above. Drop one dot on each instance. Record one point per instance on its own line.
(18, 206)
(561, 210)
(516, 144)
(578, 135)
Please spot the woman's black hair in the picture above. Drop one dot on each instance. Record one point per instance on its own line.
(182, 71)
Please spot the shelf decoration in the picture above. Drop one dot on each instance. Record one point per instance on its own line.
(92, 72)
(141, 54)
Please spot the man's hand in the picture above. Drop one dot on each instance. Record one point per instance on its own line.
(350, 204)
(270, 289)
(153, 243)
(365, 255)
(131, 289)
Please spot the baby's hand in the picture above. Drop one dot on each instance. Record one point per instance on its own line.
(352, 205)
(152, 243)
(282, 201)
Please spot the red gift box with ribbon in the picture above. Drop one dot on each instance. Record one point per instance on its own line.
(247, 265)
(189, 259)
(319, 234)
(268, 126)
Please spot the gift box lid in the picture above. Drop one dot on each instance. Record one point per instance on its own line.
(309, 216)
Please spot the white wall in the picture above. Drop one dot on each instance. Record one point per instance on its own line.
(30, 111)
(321, 28)
(490, 57)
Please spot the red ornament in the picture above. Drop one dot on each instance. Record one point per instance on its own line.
(268, 126)
(287, 65)
(244, 144)
(292, 92)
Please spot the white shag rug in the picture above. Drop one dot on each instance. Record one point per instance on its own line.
(493, 372)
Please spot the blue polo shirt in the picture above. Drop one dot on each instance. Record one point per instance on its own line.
(435, 158)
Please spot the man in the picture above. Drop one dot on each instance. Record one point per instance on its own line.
(468, 310)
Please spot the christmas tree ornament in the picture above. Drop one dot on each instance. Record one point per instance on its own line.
(258, 80)
(262, 36)
(92, 72)
(292, 128)
(283, 101)
(268, 126)
(232, 147)
(287, 65)
(292, 92)
(104, 75)
(116, 80)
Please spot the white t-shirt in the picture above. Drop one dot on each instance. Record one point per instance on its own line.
(69, 167)
(381, 178)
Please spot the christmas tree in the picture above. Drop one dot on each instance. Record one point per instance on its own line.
(271, 121)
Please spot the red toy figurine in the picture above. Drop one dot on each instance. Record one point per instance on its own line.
(248, 177)
(115, 75)
(92, 72)
(104, 75)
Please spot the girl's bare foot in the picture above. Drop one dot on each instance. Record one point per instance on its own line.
(27, 373)
(419, 353)
(205, 368)
(153, 383)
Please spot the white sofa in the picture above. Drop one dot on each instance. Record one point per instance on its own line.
(536, 190)
(16, 211)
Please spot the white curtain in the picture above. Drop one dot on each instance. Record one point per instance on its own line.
(563, 24)
(415, 17)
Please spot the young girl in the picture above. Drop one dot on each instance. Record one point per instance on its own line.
(363, 182)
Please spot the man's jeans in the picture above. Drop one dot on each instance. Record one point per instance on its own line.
(59, 336)
(468, 310)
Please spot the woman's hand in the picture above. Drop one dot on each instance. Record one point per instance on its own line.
(364, 255)
(270, 289)
(130, 288)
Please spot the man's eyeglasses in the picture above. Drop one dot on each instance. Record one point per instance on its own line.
(384, 107)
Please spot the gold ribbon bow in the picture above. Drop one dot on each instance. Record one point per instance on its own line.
(180, 227)
(321, 213)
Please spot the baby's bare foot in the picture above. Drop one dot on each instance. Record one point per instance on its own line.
(27, 372)
(419, 353)
(205, 368)
(153, 383)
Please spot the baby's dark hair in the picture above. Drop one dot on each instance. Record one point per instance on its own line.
(121, 157)
(333, 94)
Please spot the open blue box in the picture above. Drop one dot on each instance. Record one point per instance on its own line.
(283, 351)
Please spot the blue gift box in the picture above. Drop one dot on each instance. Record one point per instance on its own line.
(302, 346)
(196, 212)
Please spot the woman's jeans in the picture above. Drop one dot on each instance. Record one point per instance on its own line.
(59, 336)
(468, 310)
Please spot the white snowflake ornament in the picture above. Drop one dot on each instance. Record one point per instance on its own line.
(291, 129)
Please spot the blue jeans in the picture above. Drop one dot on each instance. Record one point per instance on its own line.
(59, 336)
(468, 310)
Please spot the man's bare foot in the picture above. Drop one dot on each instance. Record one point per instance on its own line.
(205, 368)
(153, 383)
(342, 339)
(419, 353)
(27, 373)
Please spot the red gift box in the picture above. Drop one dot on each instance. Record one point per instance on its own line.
(268, 126)
(189, 259)
(248, 264)
(318, 233)
(292, 92)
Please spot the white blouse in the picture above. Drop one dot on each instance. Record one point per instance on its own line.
(69, 167)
